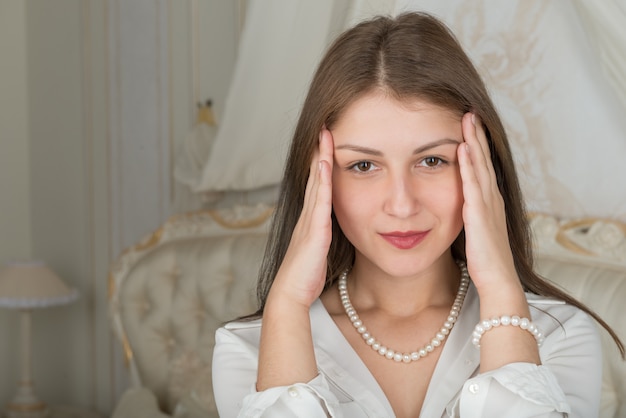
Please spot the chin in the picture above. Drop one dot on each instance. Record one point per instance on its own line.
(406, 266)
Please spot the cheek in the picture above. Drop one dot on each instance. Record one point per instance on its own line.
(450, 197)
(457, 201)
(344, 199)
(352, 204)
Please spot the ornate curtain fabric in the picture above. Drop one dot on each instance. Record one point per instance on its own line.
(565, 120)
(555, 70)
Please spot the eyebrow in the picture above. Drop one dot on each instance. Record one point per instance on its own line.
(418, 150)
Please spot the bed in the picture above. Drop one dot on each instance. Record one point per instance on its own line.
(170, 292)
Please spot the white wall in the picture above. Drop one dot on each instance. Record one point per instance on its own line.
(97, 74)
(63, 347)
(15, 236)
(15, 239)
(94, 97)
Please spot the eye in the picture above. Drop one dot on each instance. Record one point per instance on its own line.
(432, 162)
(362, 166)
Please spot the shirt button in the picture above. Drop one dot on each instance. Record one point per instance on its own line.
(474, 388)
(293, 392)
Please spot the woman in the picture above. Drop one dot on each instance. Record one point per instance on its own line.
(398, 188)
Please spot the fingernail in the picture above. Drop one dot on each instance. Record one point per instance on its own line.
(473, 119)
(467, 147)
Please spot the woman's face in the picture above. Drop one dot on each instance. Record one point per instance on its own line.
(397, 192)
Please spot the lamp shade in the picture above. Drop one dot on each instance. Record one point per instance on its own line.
(28, 285)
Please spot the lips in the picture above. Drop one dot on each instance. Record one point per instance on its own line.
(404, 240)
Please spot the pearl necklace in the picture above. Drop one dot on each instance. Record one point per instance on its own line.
(396, 355)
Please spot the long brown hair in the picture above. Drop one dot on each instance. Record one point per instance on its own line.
(411, 56)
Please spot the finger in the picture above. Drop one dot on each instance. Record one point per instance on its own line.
(323, 201)
(310, 191)
(481, 135)
(324, 152)
(472, 192)
(326, 146)
(479, 161)
(324, 187)
(480, 190)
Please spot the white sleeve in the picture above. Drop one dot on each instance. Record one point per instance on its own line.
(514, 390)
(310, 400)
(566, 384)
(234, 380)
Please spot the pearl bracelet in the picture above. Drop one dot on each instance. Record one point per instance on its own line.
(505, 320)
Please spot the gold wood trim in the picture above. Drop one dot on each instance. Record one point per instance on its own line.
(128, 351)
(562, 239)
(240, 224)
(27, 407)
(112, 286)
(568, 243)
(149, 242)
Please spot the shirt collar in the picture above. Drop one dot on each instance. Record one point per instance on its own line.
(459, 359)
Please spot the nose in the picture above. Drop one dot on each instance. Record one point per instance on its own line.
(402, 197)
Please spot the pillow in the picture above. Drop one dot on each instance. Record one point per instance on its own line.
(190, 388)
(190, 407)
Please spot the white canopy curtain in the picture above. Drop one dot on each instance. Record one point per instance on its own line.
(605, 22)
(565, 120)
(280, 46)
(555, 70)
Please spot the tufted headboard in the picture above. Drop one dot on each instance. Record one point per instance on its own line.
(170, 292)
(587, 258)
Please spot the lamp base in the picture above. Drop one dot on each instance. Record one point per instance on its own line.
(38, 410)
(25, 404)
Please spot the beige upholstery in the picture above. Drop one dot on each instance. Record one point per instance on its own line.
(170, 293)
(588, 258)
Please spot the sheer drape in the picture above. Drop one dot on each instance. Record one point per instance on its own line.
(605, 22)
(555, 69)
(281, 44)
(565, 120)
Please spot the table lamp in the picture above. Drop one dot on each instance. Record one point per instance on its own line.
(27, 286)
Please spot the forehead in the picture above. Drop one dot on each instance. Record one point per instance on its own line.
(378, 114)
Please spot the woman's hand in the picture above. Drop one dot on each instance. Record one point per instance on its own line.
(286, 354)
(302, 274)
(489, 257)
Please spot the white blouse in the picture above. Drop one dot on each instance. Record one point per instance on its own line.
(567, 384)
